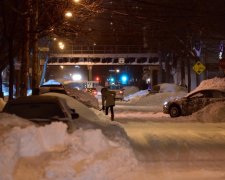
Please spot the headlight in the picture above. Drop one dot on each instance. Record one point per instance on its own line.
(165, 103)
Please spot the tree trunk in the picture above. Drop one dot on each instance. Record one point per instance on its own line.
(11, 68)
(35, 64)
(167, 68)
(25, 54)
(1, 92)
(189, 74)
(35, 61)
(182, 72)
(160, 69)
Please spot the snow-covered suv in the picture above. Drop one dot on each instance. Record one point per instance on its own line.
(42, 109)
(192, 102)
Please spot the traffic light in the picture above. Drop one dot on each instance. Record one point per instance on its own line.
(124, 79)
(97, 78)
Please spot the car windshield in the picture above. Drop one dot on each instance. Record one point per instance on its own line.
(36, 110)
(115, 87)
(199, 94)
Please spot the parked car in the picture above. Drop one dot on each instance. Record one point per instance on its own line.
(192, 102)
(119, 91)
(42, 109)
(92, 91)
(50, 88)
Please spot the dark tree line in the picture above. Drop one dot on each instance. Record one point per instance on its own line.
(26, 23)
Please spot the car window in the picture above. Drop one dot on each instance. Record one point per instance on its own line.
(218, 94)
(36, 110)
(115, 87)
(208, 94)
(199, 95)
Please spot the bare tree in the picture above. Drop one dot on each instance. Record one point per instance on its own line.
(34, 20)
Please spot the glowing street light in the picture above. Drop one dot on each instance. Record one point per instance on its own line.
(76, 1)
(68, 14)
(76, 77)
(61, 45)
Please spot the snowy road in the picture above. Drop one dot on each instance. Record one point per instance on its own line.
(173, 148)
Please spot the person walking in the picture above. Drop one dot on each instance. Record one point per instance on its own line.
(108, 101)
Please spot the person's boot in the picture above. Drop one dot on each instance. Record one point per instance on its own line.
(112, 117)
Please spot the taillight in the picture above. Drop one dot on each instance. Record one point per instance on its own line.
(95, 92)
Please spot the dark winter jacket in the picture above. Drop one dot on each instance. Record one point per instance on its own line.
(110, 98)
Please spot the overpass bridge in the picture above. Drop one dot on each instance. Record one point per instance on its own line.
(102, 55)
(105, 56)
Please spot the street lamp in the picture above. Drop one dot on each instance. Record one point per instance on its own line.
(68, 14)
(61, 45)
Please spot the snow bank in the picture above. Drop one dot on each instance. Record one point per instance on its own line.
(212, 113)
(144, 98)
(136, 95)
(167, 87)
(214, 83)
(11, 121)
(51, 82)
(48, 152)
(84, 97)
(130, 90)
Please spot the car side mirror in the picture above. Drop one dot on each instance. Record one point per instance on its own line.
(75, 115)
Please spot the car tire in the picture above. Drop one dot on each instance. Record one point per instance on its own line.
(174, 111)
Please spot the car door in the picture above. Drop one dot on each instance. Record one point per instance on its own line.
(217, 96)
(195, 102)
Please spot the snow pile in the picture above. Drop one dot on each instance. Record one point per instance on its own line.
(214, 83)
(84, 97)
(136, 95)
(11, 121)
(41, 152)
(212, 113)
(159, 98)
(167, 87)
(130, 90)
(51, 82)
(167, 91)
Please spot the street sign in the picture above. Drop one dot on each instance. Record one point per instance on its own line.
(89, 84)
(121, 60)
(198, 67)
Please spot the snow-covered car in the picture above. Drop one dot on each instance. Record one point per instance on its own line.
(193, 102)
(92, 91)
(41, 109)
(119, 90)
(51, 88)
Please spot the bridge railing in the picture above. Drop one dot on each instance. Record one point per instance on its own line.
(113, 49)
